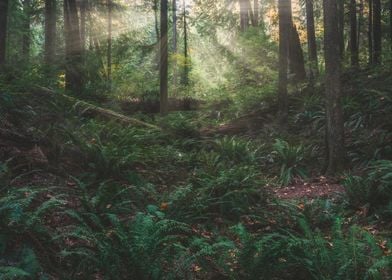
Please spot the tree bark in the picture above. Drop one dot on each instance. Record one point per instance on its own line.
(73, 48)
(174, 7)
(334, 111)
(155, 9)
(50, 31)
(163, 65)
(370, 32)
(256, 13)
(296, 57)
(109, 53)
(185, 76)
(353, 34)
(83, 20)
(3, 30)
(26, 38)
(284, 11)
(360, 23)
(390, 22)
(377, 31)
(340, 19)
(312, 45)
(244, 15)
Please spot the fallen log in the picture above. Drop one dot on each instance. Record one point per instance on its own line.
(85, 108)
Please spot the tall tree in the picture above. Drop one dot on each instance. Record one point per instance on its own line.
(185, 76)
(311, 34)
(296, 57)
(50, 31)
(155, 7)
(174, 8)
(255, 14)
(360, 22)
(244, 14)
(353, 34)
(83, 20)
(73, 48)
(163, 65)
(26, 40)
(3, 30)
(376, 31)
(390, 22)
(340, 20)
(109, 53)
(370, 31)
(334, 111)
(284, 12)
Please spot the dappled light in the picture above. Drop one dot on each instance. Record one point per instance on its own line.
(195, 139)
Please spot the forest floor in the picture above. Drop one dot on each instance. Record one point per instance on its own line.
(227, 187)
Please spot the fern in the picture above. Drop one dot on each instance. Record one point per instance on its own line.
(291, 159)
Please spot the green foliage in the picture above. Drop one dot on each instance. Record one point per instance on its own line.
(373, 188)
(23, 211)
(181, 125)
(312, 255)
(228, 193)
(236, 150)
(291, 159)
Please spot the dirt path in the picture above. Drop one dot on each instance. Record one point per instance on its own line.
(320, 187)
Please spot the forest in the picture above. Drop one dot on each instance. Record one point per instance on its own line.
(196, 139)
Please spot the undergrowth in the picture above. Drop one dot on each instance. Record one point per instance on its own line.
(176, 204)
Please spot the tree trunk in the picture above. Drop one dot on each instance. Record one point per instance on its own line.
(340, 19)
(390, 22)
(3, 30)
(244, 15)
(334, 112)
(174, 7)
(185, 76)
(50, 31)
(73, 48)
(163, 65)
(284, 11)
(360, 23)
(353, 34)
(155, 9)
(370, 31)
(83, 20)
(296, 57)
(312, 45)
(377, 31)
(109, 53)
(255, 17)
(26, 38)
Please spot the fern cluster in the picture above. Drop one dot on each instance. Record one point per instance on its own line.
(291, 158)
(311, 254)
(373, 188)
